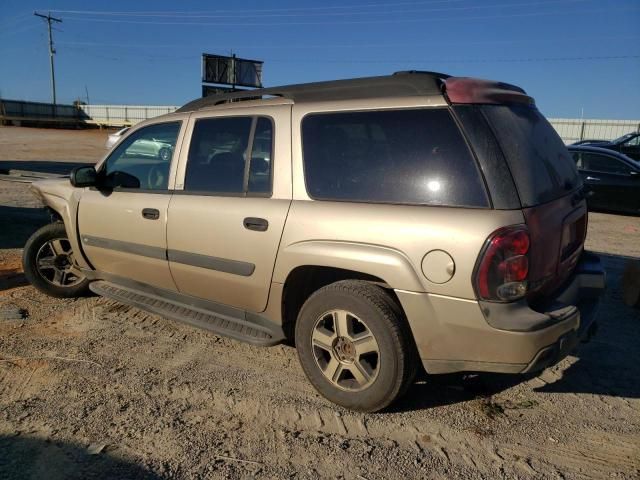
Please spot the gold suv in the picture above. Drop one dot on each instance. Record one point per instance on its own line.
(381, 224)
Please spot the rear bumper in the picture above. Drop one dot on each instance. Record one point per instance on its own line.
(464, 335)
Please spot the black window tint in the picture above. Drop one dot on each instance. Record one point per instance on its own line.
(603, 163)
(217, 155)
(261, 157)
(397, 156)
(143, 159)
(539, 162)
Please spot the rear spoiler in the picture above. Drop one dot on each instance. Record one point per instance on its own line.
(474, 90)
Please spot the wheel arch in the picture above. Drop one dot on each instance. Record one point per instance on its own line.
(304, 280)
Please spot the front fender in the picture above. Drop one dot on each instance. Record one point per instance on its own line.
(60, 196)
(389, 264)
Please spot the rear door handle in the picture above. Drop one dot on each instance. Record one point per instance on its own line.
(257, 224)
(592, 179)
(151, 213)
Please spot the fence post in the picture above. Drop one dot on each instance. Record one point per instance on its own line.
(108, 123)
(582, 131)
(126, 114)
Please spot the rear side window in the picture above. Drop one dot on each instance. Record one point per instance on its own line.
(394, 156)
(540, 164)
(231, 156)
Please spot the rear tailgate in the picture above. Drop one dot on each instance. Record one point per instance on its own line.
(549, 188)
(557, 230)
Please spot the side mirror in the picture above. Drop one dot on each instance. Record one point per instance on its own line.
(83, 177)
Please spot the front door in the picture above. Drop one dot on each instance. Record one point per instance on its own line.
(611, 182)
(225, 225)
(122, 223)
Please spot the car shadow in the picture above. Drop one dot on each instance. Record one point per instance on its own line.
(40, 166)
(28, 457)
(607, 365)
(18, 223)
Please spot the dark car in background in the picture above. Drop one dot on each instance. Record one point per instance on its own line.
(589, 141)
(628, 144)
(612, 179)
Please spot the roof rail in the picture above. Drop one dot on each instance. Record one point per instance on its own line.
(400, 84)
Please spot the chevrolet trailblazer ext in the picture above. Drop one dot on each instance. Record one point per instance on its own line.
(379, 223)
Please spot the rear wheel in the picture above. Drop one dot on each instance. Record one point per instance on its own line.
(354, 346)
(49, 264)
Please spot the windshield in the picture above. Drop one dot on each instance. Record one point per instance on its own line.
(538, 159)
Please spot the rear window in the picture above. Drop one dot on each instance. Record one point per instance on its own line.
(394, 156)
(540, 164)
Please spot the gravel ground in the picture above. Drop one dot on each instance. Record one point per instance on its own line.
(93, 389)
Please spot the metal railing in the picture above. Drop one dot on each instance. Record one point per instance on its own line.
(570, 129)
(575, 129)
(121, 115)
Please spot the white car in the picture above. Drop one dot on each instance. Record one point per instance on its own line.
(115, 137)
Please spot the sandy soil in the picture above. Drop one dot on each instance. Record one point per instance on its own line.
(18, 143)
(93, 389)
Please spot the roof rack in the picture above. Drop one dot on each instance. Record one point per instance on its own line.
(400, 84)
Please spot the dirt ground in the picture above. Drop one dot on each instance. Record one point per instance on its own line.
(93, 389)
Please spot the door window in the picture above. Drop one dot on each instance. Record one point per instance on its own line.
(603, 163)
(143, 159)
(634, 142)
(577, 157)
(230, 156)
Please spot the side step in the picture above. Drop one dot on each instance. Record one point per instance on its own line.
(237, 328)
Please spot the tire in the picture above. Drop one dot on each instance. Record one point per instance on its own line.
(364, 380)
(48, 263)
(164, 154)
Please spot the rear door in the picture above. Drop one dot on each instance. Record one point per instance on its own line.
(232, 197)
(122, 223)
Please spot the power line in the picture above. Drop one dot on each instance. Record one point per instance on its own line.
(244, 12)
(429, 43)
(252, 14)
(52, 50)
(258, 10)
(352, 22)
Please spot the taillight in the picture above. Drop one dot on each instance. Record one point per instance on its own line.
(503, 267)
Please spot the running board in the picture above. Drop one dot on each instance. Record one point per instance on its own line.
(225, 325)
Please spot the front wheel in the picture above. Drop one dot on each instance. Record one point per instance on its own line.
(355, 346)
(49, 264)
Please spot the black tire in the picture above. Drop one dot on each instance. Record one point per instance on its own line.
(164, 154)
(46, 234)
(397, 362)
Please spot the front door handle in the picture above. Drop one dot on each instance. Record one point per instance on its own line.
(257, 224)
(151, 213)
(592, 179)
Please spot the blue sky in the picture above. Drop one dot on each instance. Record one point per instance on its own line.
(148, 52)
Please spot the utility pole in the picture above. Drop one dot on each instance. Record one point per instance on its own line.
(52, 51)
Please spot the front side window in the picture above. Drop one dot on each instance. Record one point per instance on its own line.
(230, 155)
(143, 159)
(603, 163)
(416, 156)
